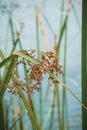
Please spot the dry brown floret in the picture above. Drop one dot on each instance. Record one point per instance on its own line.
(47, 63)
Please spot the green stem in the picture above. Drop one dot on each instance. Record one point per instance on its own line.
(7, 76)
(61, 18)
(13, 112)
(33, 119)
(2, 122)
(37, 36)
(61, 34)
(6, 115)
(15, 44)
(21, 123)
(12, 29)
(52, 110)
(20, 117)
(84, 63)
(58, 106)
(64, 96)
(38, 49)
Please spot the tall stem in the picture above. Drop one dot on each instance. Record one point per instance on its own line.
(38, 48)
(84, 63)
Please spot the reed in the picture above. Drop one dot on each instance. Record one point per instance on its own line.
(38, 49)
(84, 64)
(6, 115)
(21, 114)
(13, 112)
(52, 110)
(2, 120)
(12, 28)
(64, 96)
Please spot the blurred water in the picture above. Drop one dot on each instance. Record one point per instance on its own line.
(26, 14)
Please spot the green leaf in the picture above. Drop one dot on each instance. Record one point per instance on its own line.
(61, 34)
(7, 76)
(21, 54)
(4, 62)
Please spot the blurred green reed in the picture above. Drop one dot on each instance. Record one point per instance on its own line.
(6, 115)
(8, 63)
(84, 63)
(38, 49)
(13, 111)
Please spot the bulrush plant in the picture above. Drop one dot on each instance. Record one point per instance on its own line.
(36, 69)
(35, 72)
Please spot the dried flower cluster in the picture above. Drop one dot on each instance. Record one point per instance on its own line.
(47, 63)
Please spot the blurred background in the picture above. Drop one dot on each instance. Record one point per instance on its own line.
(46, 25)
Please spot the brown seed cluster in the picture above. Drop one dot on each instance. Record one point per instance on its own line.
(23, 86)
(50, 63)
(36, 73)
(12, 87)
(47, 63)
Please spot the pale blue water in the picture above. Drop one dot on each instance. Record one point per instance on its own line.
(26, 14)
